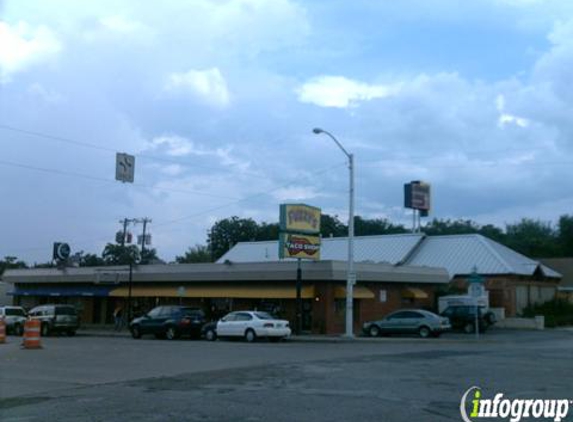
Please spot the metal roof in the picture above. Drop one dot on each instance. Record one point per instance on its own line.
(391, 249)
(458, 254)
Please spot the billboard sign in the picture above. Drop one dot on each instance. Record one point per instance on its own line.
(417, 195)
(301, 246)
(299, 218)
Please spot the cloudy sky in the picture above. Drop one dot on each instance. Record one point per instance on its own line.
(217, 101)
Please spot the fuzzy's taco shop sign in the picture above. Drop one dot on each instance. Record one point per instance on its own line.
(300, 231)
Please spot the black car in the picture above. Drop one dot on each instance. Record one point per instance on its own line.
(169, 322)
(463, 317)
(56, 319)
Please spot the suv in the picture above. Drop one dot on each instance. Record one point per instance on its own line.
(14, 316)
(169, 322)
(56, 318)
(464, 316)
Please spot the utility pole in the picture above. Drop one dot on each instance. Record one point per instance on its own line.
(144, 220)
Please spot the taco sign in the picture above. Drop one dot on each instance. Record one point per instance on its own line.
(299, 246)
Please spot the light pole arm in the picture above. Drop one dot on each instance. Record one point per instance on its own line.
(337, 143)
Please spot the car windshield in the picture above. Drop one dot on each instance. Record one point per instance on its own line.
(15, 312)
(263, 315)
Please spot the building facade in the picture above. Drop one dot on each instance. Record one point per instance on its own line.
(220, 288)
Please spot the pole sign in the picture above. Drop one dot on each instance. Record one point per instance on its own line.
(302, 246)
(299, 232)
(299, 218)
(61, 251)
(417, 196)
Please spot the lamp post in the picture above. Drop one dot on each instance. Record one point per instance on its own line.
(350, 275)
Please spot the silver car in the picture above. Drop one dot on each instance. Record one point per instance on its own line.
(408, 321)
(15, 317)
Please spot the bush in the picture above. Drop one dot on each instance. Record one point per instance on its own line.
(557, 312)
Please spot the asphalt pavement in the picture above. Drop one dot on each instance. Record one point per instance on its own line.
(91, 377)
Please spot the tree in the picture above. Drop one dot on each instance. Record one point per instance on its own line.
(532, 238)
(90, 260)
(114, 254)
(149, 256)
(367, 227)
(332, 226)
(10, 263)
(196, 254)
(443, 227)
(226, 233)
(268, 231)
(565, 236)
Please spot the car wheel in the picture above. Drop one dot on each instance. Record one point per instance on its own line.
(18, 330)
(469, 328)
(45, 330)
(171, 333)
(210, 335)
(135, 333)
(250, 336)
(71, 333)
(374, 331)
(424, 332)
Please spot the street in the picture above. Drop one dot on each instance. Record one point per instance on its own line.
(92, 378)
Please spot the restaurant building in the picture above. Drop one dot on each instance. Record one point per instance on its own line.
(220, 288)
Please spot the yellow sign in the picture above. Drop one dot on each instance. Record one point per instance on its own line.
(299, 246)
(300, 218)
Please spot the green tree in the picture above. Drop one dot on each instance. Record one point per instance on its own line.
(268, 231)
(532, 238)
(369, 227)
(114, 254)
(195, 254)
(565, 236)
(332, 226)
(90, 260)
(10, 263)
(227, 232)
(149, 256)
(443, 227)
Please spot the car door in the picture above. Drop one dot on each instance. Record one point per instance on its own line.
(224, 325)
(391, 324)
(242, 322)
(411, 321)
(151, 323)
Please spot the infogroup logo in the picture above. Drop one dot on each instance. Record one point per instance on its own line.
(474, 406)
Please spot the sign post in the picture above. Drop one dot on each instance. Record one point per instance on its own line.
(476, 290)
(299, 238)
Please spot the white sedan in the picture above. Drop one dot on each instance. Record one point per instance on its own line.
(252, 324)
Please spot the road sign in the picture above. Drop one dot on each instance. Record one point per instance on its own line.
(124, 167)
(476, 290)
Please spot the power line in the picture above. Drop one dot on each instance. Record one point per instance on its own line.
(106, 149)
(198, 214)
(102, 179)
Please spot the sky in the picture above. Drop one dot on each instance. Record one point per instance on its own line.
(217, 101)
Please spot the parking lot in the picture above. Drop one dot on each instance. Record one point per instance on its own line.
(101, 378)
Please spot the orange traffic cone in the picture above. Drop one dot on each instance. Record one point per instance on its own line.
(2, 331)
(31, 338)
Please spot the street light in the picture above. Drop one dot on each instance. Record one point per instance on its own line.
(350, 275)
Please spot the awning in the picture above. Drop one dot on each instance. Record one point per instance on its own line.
(218, 291)
(358, 292)
(63, 291)
(414, 293)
